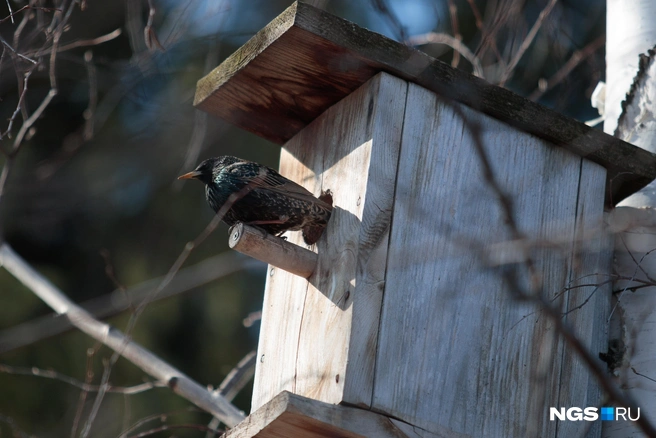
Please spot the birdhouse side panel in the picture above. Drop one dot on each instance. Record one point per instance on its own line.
(456, 346)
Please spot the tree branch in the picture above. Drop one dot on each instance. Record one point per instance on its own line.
(115, 302)
(527, 42)
(144, 359)
(454, 43)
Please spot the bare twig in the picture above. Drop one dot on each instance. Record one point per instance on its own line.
(527, 42)
(508, 15)
(19, 105)
(238, 377)
(111, 304)
(12, 50)
(109, 272)
(90, 111)
(536, 295)
(88, 378)
(144, 359)
(587, 299)
(486, 39)
(566, 69)
(122, 344)
(102, 389)
(252, 318)
(56, 28)
(632, 279)
(453, 13)
(13, 14)
(156, 417)
(134, 24)
(234, 382)
(638, 263)
(166, 427)
(27, 124)
(455, 44)
(21, 26)
(150, 36)
(53, 58)
(84, 386)
(83, 43)
(642, 375)
(4, 176)
(92, 42)
(126, 412)
(189, 247)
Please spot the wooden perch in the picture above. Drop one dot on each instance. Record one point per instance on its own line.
(306, 60)
(273, 250)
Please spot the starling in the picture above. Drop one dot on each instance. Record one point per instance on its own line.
(275, 204)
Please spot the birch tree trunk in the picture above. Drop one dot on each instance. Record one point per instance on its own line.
(630, 114)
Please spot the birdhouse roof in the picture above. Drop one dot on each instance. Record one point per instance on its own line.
(306, 60)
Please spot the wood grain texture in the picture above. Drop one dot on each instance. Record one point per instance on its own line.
(361, 136)
(455, 348)
(290, 415)
(272, 250)
(588, 306)
(306, 60)
(332, 321)
(284, 300)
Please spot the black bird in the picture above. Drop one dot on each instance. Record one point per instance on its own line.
(275, 203)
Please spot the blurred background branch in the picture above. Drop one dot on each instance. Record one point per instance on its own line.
(112, 304)
(176, 380)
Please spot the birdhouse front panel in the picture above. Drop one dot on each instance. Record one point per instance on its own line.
(413, 311)
(319, 336)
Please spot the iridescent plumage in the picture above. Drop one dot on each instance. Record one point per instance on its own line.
(275, 203)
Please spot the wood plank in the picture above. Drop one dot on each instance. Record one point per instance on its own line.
(475, 350)
(306, 60)
(319, 338)
(588, 307)
(284, 296)
(359, 139)
(290, 415)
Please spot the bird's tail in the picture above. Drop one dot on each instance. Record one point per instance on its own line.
(312, 233)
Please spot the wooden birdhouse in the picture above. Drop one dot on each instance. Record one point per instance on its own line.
(461, 210)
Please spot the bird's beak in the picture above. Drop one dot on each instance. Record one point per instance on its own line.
(191, 175)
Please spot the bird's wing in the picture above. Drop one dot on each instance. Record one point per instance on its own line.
(265, 178)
